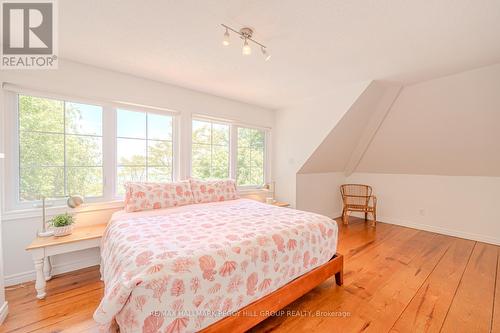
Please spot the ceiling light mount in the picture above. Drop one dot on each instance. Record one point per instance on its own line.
(246, 34)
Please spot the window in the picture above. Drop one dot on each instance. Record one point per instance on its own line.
(214, 155)
(60, 148)
(64, 146)
(144, 147)
(210, 150)
(250, 161)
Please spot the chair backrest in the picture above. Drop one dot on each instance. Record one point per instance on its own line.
(355, 194)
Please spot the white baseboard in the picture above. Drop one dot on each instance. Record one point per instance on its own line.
(27, 276)
(432, 228)
(440, 230)
(4, 310)
(336, 215)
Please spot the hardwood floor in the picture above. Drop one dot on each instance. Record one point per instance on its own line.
(395, 280)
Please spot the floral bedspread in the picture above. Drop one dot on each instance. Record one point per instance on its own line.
(182, 269)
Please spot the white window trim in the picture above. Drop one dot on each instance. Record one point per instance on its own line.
(175, 139)
(233, 148)
(267, 159)
(108, 150)
(233, 151)
(13, 202)
(218, 122)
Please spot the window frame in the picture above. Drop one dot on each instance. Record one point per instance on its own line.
(233, 148)
(65, 135)
(175, 138)
(218, 122)
(265, 159)
(109, 145)
(13, 132)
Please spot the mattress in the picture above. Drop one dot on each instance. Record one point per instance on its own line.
(182, 269)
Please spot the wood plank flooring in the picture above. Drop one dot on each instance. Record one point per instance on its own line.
(396, 280)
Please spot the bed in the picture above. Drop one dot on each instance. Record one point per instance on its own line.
(210, 266)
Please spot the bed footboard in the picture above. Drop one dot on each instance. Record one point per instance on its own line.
(259, 310)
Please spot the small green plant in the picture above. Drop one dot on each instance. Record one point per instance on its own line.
(62, 220)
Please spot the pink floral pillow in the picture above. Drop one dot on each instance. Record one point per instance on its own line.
(213, 190)
(144, 196)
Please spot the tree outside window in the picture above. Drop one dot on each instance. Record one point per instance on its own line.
(250, 161)
(210, 150)
(60, 148)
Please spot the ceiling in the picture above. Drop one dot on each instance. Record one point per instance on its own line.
(315, 45)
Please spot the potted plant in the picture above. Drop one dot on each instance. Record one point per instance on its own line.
(62, 224)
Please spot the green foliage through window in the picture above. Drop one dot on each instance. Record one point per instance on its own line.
(60, 148)
(210, 150)
(250, 157)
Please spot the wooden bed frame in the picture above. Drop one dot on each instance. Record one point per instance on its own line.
(255, 312)
(262, 308)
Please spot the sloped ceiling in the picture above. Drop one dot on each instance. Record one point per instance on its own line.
(448, 126)
(343, 147)
(315, 45)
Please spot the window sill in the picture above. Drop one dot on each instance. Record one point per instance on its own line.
(54, 210)
(250, 190)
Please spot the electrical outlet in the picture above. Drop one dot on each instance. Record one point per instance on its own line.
(421, 212)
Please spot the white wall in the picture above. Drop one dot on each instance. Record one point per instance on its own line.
(4, 308)
(78, 80)
(320, 193)
(447, 126)
(320, 177)
(74, 79)
(299, 131)
(434, 162)
(354, 131)
(466, 207)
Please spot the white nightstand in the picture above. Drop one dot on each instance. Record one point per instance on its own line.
(281, 204)
(43, 247)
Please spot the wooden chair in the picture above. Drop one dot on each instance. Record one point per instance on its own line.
(358, 198)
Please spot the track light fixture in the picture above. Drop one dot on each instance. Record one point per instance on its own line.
(245, 34)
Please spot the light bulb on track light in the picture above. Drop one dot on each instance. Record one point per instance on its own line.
(225, 41)
(246, 50)
(266, 55)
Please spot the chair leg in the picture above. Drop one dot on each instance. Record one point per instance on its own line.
(366, 216)
(345, 216)
(374, 223)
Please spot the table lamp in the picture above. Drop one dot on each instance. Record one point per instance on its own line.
(270, 187)
(72, 202)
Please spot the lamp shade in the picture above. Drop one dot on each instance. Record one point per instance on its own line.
(74, 201)
(246, 50)
(225, 41)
